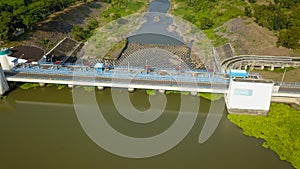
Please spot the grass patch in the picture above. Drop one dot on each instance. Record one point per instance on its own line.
(279, 70)
(115, 52)
(151, 92)
(176, 92)
(217, 40)
(216, 12)
(50, 85)
(3, 97)
(27, 86)
(89, 88)
(211, 96)
(61, 86)
(119, 10)
(13, 2)
(276, 70)
(280, 130)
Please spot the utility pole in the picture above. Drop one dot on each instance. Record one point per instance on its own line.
(283, 76)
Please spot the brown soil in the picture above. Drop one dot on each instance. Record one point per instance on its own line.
(247, 37)
(27, 52)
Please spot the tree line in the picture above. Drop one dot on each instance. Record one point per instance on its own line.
(283, 17)
(27, 14)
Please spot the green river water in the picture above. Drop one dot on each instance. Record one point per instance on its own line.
(39, 130)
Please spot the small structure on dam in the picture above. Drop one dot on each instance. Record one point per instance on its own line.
(249, 96)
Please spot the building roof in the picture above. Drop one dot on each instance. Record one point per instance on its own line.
(238, 71)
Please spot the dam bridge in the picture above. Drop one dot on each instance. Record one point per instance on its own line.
(243, 92)
(238, 86)
(132, 78)
(122, 77)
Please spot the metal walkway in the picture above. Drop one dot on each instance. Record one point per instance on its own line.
(129, 77)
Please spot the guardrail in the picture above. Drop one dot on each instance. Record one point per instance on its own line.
(289, 84)
(267, 59)
(123, 73)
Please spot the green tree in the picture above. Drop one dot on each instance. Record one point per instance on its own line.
(93, 24)
(252, 1)
(289, 38)
(6, 30)
(27, 2)
(78, 33)
(206, 23)
(45, 43)
(270, 16)
(248, 11)
(30, 20)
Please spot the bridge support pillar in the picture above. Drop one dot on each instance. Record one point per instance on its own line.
(3, 83)
(272, 67)
(100, 88)
(42, 84)
(162, 91)
(262, 67)
(70, 86)
(193, 93)
(131, 90)
(246, 67)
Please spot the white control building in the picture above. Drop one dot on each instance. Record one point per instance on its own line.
(249, 96)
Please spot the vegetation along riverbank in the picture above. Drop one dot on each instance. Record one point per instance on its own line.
(280, 130)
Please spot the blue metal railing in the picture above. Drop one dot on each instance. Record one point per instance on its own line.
(122, 73)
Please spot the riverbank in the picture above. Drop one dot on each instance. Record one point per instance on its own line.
(280, 130)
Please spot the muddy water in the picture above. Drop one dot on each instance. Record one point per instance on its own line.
(39, 129)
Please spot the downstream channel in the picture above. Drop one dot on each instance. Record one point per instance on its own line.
(39, 130)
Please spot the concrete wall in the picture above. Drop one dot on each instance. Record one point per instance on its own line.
(3, 83)
(288, 100)
(249, 95)
(4, 62)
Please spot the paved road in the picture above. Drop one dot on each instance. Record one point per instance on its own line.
(173, 82)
